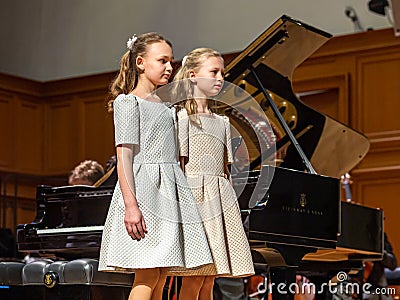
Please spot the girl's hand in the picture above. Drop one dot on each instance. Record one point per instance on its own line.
(134, 223)
(228, 176)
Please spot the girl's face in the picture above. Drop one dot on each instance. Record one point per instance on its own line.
(209, 77)
(156, 63)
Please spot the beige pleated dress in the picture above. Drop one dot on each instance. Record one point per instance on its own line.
(176, 236)
(207, 145)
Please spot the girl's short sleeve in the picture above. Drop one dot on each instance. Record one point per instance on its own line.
(183, 133)
(126, 120)
(228, 142)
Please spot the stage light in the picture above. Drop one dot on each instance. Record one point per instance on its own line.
(378, 6)
(390, 10)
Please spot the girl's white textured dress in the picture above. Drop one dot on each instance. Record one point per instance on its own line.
(176, 236)
(207, 147)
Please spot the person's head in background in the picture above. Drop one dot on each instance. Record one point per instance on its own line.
(86, 173)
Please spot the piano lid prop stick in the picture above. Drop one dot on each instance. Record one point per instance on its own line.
(304, 159)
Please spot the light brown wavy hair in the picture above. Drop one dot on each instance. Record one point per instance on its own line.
(183, 89)
(87, 172)
(127, 79)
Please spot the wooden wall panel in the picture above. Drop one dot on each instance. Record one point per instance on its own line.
(63, 144)
(7, 130)
(324, 101)
(384, 153)
(92, 136)
(379, 94)
(326, 94)
(29, 145)
(98, 134)
(26, 212)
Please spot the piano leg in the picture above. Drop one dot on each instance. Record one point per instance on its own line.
(283, 282)
(283, 277)
(321, 288)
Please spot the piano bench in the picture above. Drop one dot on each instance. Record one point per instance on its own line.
(11, 280)
(10, 273)
(33, 273)
(38, 276)
(82, 279)
(84, 271)
(62, 280)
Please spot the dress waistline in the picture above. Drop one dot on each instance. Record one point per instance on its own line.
(202, 174)
(156, 163)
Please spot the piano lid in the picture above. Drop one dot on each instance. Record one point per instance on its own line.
(282, 47)
(332, 147)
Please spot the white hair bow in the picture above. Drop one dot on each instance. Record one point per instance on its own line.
(131, 42)
(184, 60)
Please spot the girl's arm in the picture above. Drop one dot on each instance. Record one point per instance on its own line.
(227, 172)
(182, 163)
(134, 221)
(183, 138)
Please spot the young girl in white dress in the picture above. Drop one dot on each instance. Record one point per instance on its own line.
(153, 223)
(205, 153)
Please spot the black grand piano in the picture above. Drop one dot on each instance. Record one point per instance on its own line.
(298, 223)
(295, 219)
(69, 222)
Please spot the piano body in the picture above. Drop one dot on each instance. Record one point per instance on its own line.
(69, 222)
(299, 223)
(298, 218)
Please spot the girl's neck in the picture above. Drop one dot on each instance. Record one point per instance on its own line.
(144, 89)
(202, 106)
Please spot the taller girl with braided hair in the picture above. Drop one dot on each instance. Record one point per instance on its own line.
(153, 224)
